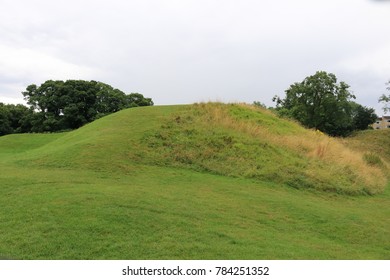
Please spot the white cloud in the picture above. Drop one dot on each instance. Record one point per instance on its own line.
(375, 61)
(12, 100)
(31, 64)
(20, 67)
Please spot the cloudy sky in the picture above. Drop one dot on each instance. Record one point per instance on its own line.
(185, 51)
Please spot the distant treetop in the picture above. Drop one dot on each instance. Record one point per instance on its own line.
(323, 103)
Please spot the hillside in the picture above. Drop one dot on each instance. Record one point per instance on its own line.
(371, 141)
(230, 140)
(243, 141)
(203, 181)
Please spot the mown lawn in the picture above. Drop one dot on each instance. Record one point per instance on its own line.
(168, 213)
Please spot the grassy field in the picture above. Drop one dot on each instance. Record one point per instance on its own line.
(207, 181)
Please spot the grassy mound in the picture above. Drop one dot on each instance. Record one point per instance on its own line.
(371, 142)
(206, 181)
(19, 143)
(244, 141)
(231, 140)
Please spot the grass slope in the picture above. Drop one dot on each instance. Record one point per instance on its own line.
(144, 184)
(371, 142)
(243, 141)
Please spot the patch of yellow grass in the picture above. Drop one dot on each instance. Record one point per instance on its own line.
(330, 158)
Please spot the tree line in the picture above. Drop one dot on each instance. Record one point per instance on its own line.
(322, 103)
(319, 102)
(65, 105)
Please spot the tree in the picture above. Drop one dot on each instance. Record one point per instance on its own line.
(60, 105)
(14, 119)
(47, 101)
(5, 126)
(137, 99)
(20, 118)
(319, 102)
(385, 99)
(362, 116)
(108, 100)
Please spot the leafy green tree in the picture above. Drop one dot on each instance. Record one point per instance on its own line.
(109, 100)
(19, 118)
(14, 119)
(319, 102)
(78, 103)
(137, 99)
(385, 99)
(362, 116)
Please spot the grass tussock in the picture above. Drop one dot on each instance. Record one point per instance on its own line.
(244, 141)
(372, 159)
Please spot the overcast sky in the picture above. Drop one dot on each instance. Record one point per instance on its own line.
(185, 51)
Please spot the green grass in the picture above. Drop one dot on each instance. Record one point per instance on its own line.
(101, 193)
(372, 141)
(19, 143)
(239, 141)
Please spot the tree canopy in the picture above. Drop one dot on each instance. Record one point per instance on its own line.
(65, 105)
(320, 102)
(385, 99)
(362, 117)
(15, 119)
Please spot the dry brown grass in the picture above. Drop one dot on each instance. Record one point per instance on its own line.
(331, 159)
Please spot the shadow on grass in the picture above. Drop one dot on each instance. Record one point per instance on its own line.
(5, 258)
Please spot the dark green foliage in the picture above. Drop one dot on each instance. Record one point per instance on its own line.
(320, 102)
(5, 126)
(362, 116)
(15, 119)
(137, 99)
(68, 105)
